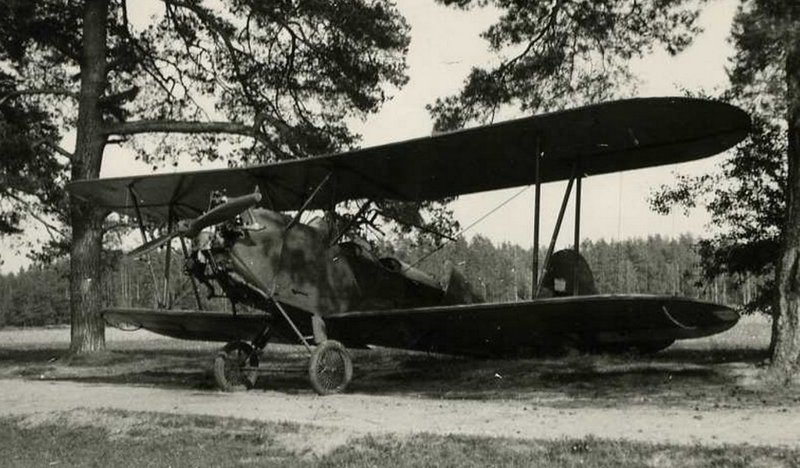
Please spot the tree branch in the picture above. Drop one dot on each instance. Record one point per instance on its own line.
(120, 226)
(49, 227)
(175, 126)
(55, 147)
(553, 16)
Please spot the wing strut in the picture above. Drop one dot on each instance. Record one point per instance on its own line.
(576, 245)
(167, 297)
(270, 297)
(557, 228)
(308, 202)
(191, 277)
(537, 204)
(134, 196)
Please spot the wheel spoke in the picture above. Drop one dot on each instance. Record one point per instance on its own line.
(229, 367)
(330, 368)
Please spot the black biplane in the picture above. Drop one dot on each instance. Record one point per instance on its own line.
(318, 287)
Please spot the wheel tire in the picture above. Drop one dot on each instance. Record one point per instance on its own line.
(228, 367)
(330, 368)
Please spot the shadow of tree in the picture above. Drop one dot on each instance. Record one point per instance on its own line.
(676, 376)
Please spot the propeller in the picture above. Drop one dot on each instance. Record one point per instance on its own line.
(219, 214)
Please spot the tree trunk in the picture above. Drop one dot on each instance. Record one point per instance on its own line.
(786, 321)
(88, 329)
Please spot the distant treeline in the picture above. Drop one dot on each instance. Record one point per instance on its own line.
(39, 295)
(36, 296)
(655, 265)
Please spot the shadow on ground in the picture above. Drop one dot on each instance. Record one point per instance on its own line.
(722, 371)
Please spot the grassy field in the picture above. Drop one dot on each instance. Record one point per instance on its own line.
(122, 439)
(716, 372)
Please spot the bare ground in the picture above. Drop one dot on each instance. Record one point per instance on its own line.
(704, 392)
(350, 415)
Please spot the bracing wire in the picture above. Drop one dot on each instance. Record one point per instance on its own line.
(471, 225)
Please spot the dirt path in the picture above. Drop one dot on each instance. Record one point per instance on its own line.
(352, 415)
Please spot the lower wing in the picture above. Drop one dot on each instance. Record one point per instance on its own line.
(473, 329)
(508, 328)
(189, 324)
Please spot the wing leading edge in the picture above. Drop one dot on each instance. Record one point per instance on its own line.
(608, 137)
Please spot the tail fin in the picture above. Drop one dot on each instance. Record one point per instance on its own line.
(565, 267)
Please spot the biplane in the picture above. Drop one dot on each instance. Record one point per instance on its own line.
(240, 233)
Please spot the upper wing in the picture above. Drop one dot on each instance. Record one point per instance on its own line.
(507, 327)
(608, 137)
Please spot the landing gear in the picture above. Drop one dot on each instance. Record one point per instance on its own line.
(330, 368)
(235, 367)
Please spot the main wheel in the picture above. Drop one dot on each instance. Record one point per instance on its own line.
(231, 365)
(330, 368)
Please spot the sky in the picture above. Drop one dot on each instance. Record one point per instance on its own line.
(445, 45)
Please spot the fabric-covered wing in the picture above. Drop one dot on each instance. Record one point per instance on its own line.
(189, 324)
(509, 328)
(608, 137)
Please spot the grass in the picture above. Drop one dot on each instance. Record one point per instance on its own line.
(716, 372)
(138, 440)
(122, 439)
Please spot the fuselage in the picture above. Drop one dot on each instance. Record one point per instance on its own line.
(370, 300)
(303, 267)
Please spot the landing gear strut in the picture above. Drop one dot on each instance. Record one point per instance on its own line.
(330, 367)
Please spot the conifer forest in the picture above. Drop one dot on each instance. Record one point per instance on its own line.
(39, 295)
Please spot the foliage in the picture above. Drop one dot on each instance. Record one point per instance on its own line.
(34, 297)
(746, 201)
(762, 34)
(29, 166)
(563, 52)
(287, 75)
(296, 70)
(747, 196)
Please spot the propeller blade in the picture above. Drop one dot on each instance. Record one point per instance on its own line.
(216, 215)
(222, 213)
(152, 244)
